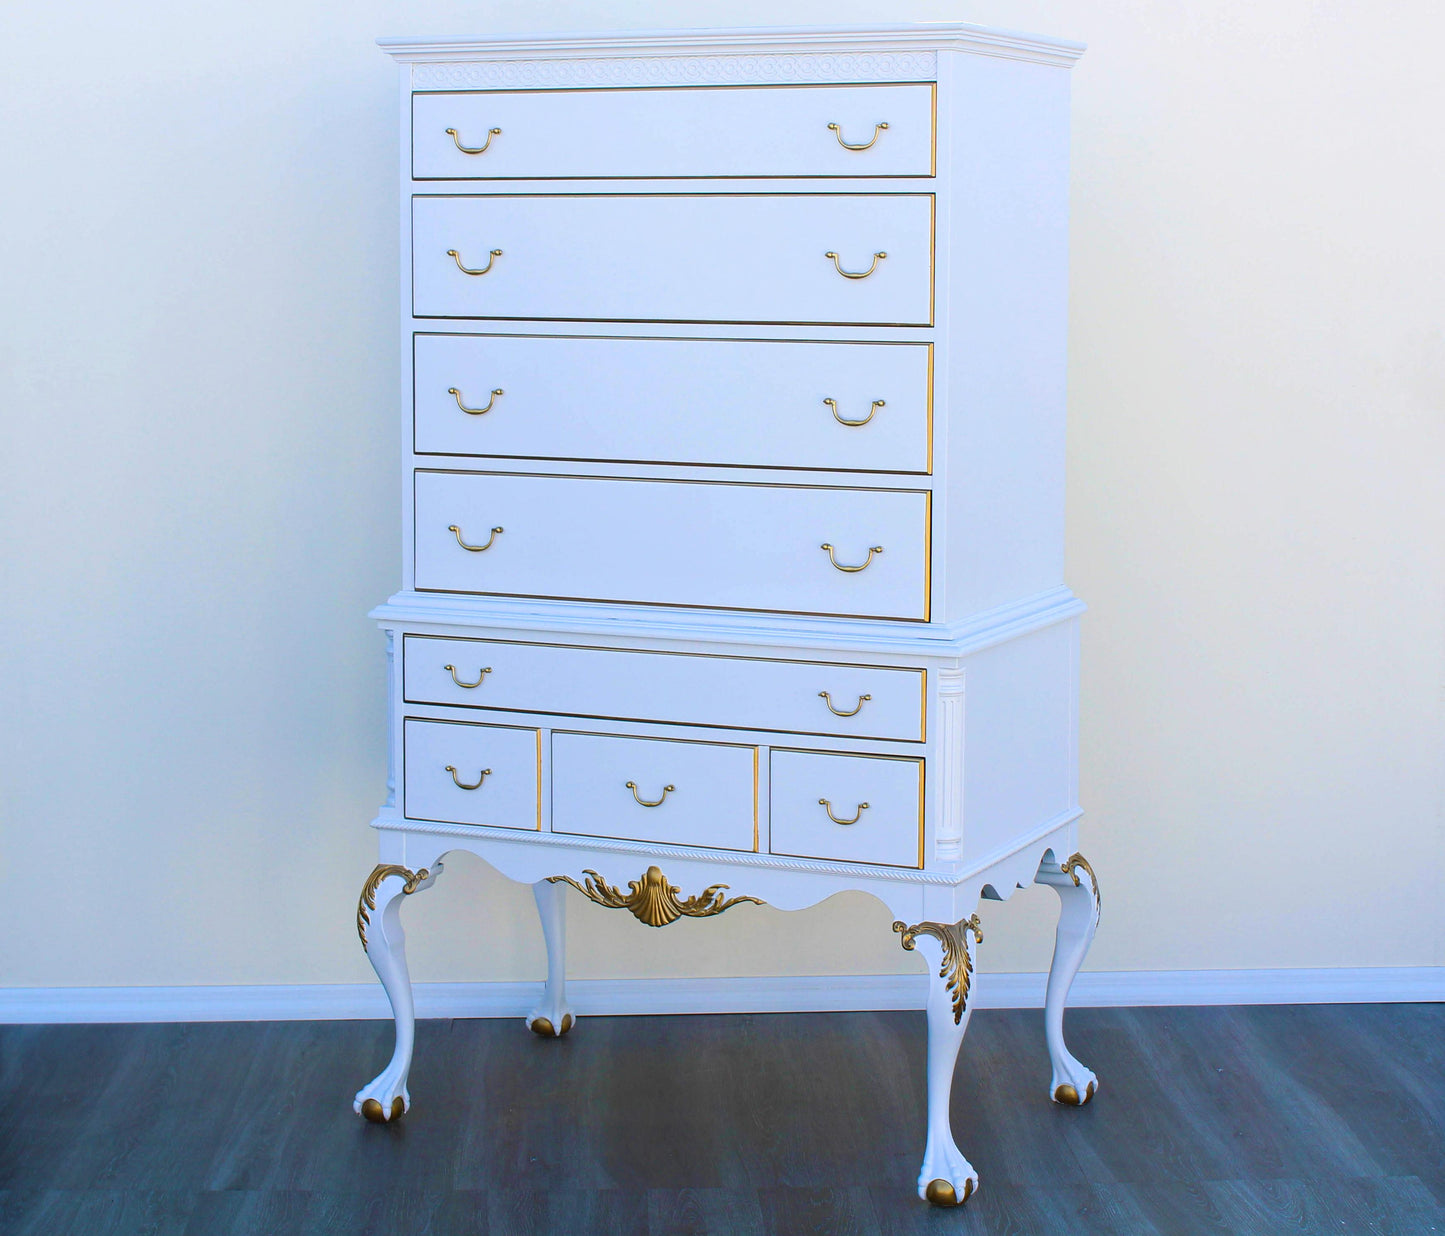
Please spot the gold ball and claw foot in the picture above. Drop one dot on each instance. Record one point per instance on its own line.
(1068, 1094)
(543, 1027)
(941, 1193)
(375, 1113)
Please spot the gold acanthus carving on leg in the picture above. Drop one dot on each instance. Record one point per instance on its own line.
(652, 899)
(957, 965)
(367, 901)
(1071, 868)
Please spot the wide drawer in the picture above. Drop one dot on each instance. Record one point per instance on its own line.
(858, 808)
(674, 132)
(655, 789)
(462, 773)
(785, 548)
(676, 257)
(755, 403)
(692, 689)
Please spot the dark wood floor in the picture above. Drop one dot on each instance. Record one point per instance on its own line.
(1219, 1120)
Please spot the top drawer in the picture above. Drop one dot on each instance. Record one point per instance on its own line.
(755, 131)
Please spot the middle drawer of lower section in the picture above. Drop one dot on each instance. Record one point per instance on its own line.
(655, 789)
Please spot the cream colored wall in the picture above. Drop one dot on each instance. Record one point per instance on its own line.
(199, 401)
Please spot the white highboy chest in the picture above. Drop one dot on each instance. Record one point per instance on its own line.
(733, 394)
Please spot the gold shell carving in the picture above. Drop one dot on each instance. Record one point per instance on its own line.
(1071, 868)
(957, 965)
(652, 899)
(367, 901)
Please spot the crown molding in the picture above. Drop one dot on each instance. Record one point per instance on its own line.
(817, 42)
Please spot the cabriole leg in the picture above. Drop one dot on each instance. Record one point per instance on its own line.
(947, 1178)
(378, 923)
(1078, 892)
(553, 1017)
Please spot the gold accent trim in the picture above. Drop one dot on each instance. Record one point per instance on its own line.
(926, 470)
(452, 390)
(467, 270)
(843, 420)
(922, 687)
(462, 785)
(957, 965)
(642, 802)
(828, 807)
(474, 150)
(542, 1026)
(366, 903)
(932, 172)
(1071, 868)
(652, 900)
(469, 686)
(475, 549)
(838, 133)
(851, 570)
(848, 274)
(828, 699)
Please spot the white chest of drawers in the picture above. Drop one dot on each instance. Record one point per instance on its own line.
(733, 452)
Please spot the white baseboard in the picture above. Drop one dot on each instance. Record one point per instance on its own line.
(820, 994)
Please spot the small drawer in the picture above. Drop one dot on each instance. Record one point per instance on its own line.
(858, 259)
(857, 407)
(807, 549)
(751, 693)
(462, 773)
(866, 130)
(655, 789)
(857, 808)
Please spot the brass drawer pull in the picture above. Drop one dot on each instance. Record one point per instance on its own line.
(828, 807)
(837, 132)
(832, 403)
(479, 549)
(496, 253)
(876, 549)
(469, 685)
(491, 133)
(827, 699)
(847, 274)
(666, 790)
(462, 785)
(452, 390)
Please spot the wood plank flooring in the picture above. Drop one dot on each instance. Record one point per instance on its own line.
(1215, 1120)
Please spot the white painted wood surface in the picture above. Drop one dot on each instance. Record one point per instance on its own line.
(739, 403)
(690, 257)
(882, 796)
(735, 546)
(504, 763)
(680, 132)
(663, 790)
(629, 684)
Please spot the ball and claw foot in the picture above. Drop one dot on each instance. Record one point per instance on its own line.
(382, 1101)
(947, 1179)
(544, 1027)
(1073, 1085)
